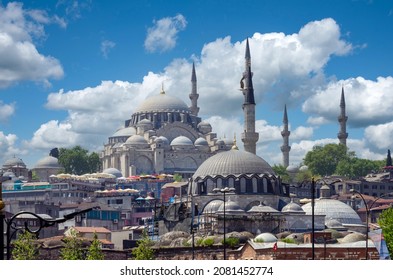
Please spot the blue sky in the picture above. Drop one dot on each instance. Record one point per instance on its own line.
(71, 72)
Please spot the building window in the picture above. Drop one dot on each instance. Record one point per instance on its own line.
(254, 185)
(242, 185)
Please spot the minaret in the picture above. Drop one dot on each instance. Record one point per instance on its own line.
(194, 95)
(342, 119)
(285, 148)
(249, 136)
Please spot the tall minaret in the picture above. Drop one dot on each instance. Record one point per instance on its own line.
(249, 136)
(342, 119)
(285, 148)
(194, 95)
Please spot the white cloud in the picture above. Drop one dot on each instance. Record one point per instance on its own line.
(380, 136)
(6, 111)
(106, 47)
(18, 54)
(367, 102)
(54, 134)
(286, 69)
(302, 132)
(163, 35)
(8, 147)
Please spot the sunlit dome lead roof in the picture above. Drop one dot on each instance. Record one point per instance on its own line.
(233, 162)
(162, 103)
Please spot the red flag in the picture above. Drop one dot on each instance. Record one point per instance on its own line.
(275, 247)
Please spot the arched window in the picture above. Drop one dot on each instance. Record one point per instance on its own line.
(219, 183)
(265, 183)
(231, 182)
(254, 185)
(209, 185)
(243, 185)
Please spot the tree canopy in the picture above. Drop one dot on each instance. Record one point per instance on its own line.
(281, 171)
(385, 220)
(337, 159)
(78, 160)
(144, 250)
(24, 247)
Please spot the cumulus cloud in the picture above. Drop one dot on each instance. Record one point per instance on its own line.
(162, 36)
(106, 47)
(380, 136)
(20, 59)
(8, 146)
(287, 69)
(6, 111)
(362, 97)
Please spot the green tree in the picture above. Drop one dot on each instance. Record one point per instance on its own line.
(281, 171)
(385, 220)
(144, 250)
(303, 176)
(357, 167)
(177, 177)
(323, 160)
(95, 250)
(73, 248)
(24, 247)
(78, 160)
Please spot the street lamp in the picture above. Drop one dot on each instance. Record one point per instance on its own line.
(13, 228)
(368, 210)
(224, 191)
(313, 218)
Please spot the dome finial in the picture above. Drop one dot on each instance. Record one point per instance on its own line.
(234, 147)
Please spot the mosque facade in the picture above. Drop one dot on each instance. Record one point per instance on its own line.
(163, 135)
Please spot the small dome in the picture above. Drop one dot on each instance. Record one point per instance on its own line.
(292, 169)
(136, 140)
(267, 237)
(231, 207)
(204, 127)
(353, 237)
(334, 224)
(201, 142)
(113, 171)
(213, 206)
(292, 208)
(125, 131)
(14, 162)
(162, 139)
(220, 142)
(303, 168)
(262, 209)
(181, 141)
(9, 174)
(48, 162)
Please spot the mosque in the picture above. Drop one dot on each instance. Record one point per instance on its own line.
(163, 135)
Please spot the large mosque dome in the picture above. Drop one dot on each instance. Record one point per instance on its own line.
(233, 162)
(162, 102)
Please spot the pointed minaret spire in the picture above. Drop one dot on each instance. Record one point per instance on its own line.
(249, 136)
(342, 119)
(194, 95)
(285, 148)
(247, 56)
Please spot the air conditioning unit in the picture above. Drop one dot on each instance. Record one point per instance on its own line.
(115, 221)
